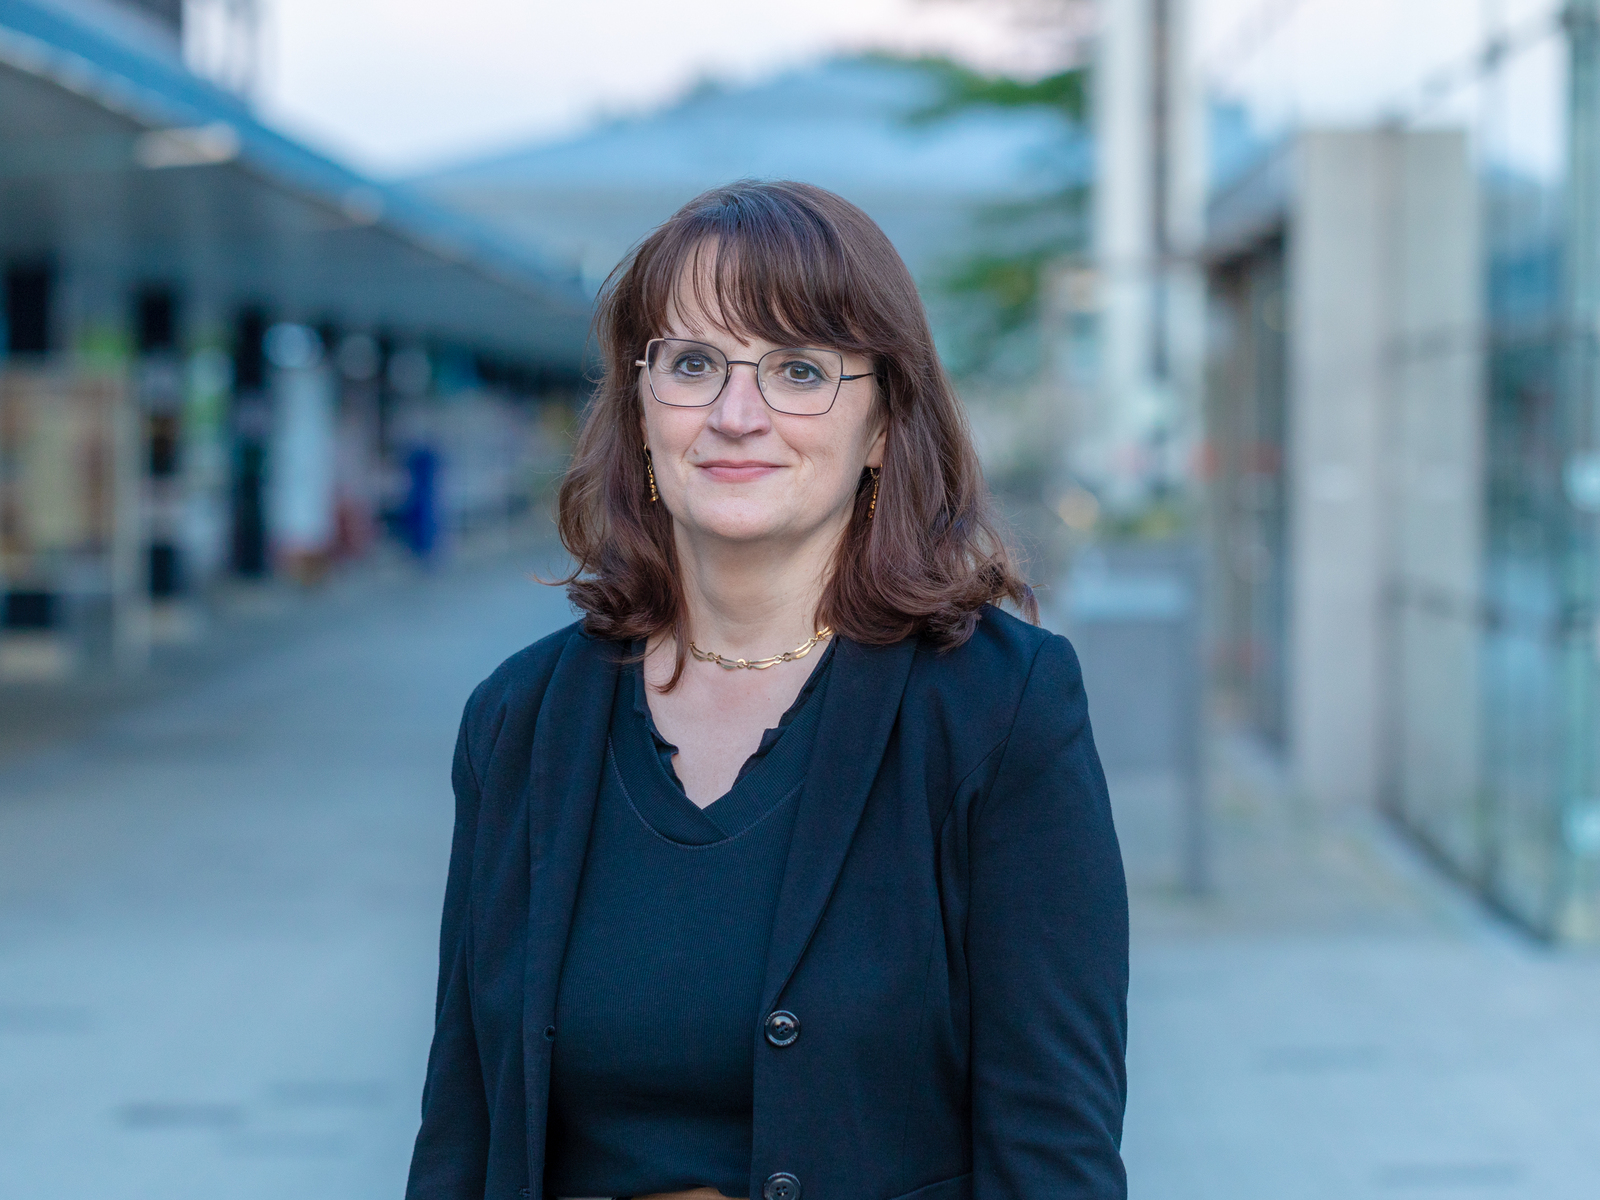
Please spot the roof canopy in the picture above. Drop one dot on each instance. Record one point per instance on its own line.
(116, 162)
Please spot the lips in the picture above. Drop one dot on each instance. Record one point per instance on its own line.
(726, 470)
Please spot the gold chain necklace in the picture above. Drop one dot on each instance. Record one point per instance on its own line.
(761, 664)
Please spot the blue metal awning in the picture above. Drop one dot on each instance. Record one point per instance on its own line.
(120, 163)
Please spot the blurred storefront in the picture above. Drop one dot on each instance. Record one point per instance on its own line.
(1401, 413)
(225, 355)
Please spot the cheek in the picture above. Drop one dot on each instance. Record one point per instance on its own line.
(834, 456)
(671, 431)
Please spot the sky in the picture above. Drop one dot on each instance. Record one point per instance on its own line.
(1345, 62)
(394, 86)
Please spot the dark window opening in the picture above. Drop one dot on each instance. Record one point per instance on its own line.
(28, 289)
(164, 445)
(156, 320)
(329, 333)
(29, 610)
(249, 511)
(166, 577)
(249, 354)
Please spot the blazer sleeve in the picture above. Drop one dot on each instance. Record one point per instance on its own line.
(450, 1160)
(1047, 945)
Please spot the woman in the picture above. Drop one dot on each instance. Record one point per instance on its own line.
(789, 870)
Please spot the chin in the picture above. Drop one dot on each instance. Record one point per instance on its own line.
(739, 527)
(737, 520)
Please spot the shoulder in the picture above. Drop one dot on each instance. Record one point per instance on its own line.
(1002, 653)
(977, 690)
(517, 686)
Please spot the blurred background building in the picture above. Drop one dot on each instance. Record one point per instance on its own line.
(1310, 360)
(1315, 362)
(225, 355)
(1399, 443)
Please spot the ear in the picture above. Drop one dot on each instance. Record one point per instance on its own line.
(875, 448)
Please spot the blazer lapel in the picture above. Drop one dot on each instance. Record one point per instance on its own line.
(859, 710)
(568, 750)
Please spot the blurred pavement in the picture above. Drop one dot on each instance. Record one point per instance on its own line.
(1336, 1021)
(218, 909)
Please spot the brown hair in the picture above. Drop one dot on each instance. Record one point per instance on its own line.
(793, 264)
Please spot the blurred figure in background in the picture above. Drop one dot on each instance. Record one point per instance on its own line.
(419, 514)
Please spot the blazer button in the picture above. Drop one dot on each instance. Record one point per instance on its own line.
(782, 1029)
(782, 1186)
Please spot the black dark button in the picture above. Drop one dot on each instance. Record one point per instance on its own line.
(550, 1033)
(782, 1186)
(782, 1028)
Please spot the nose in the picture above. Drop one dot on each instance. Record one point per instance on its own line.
(740, 410)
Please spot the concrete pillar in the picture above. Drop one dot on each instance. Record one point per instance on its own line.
(1338, 300)
(1185, 216)
(1149, 223)
(1123, 244)
(1385, 468)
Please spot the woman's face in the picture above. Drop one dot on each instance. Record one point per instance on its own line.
(737, 470)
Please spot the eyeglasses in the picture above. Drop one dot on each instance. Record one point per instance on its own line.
(800, 382)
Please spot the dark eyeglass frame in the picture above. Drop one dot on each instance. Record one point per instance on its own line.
(731, 363)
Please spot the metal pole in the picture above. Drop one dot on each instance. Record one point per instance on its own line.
(1160, 361)
(1190, 673)
(1580, 327)
(1168, 191)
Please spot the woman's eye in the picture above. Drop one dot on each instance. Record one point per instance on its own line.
(801, 372)
(693, 364)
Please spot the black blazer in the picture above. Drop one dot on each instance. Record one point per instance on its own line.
(952, 931)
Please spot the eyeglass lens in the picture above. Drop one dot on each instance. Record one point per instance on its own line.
(798, 381)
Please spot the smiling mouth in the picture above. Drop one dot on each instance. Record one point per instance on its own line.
(735, 472)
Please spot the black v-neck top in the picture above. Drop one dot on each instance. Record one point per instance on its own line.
(666, 751)
(659, 1004)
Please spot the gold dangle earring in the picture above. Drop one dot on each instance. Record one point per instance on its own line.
(650, 471)
(872, 507)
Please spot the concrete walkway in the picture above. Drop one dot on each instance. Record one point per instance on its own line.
(218, 908)
(1336, 1022)
(219, 911)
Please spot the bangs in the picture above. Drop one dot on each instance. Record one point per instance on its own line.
(754, 268)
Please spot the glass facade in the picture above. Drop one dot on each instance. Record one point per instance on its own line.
(1247, 422)
(1519, 831)
(1488, 697)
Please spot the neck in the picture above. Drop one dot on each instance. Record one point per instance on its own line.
(752, 600)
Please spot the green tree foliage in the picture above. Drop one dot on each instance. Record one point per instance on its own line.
(998, 286)
(1008, 282)
(1066, 92)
